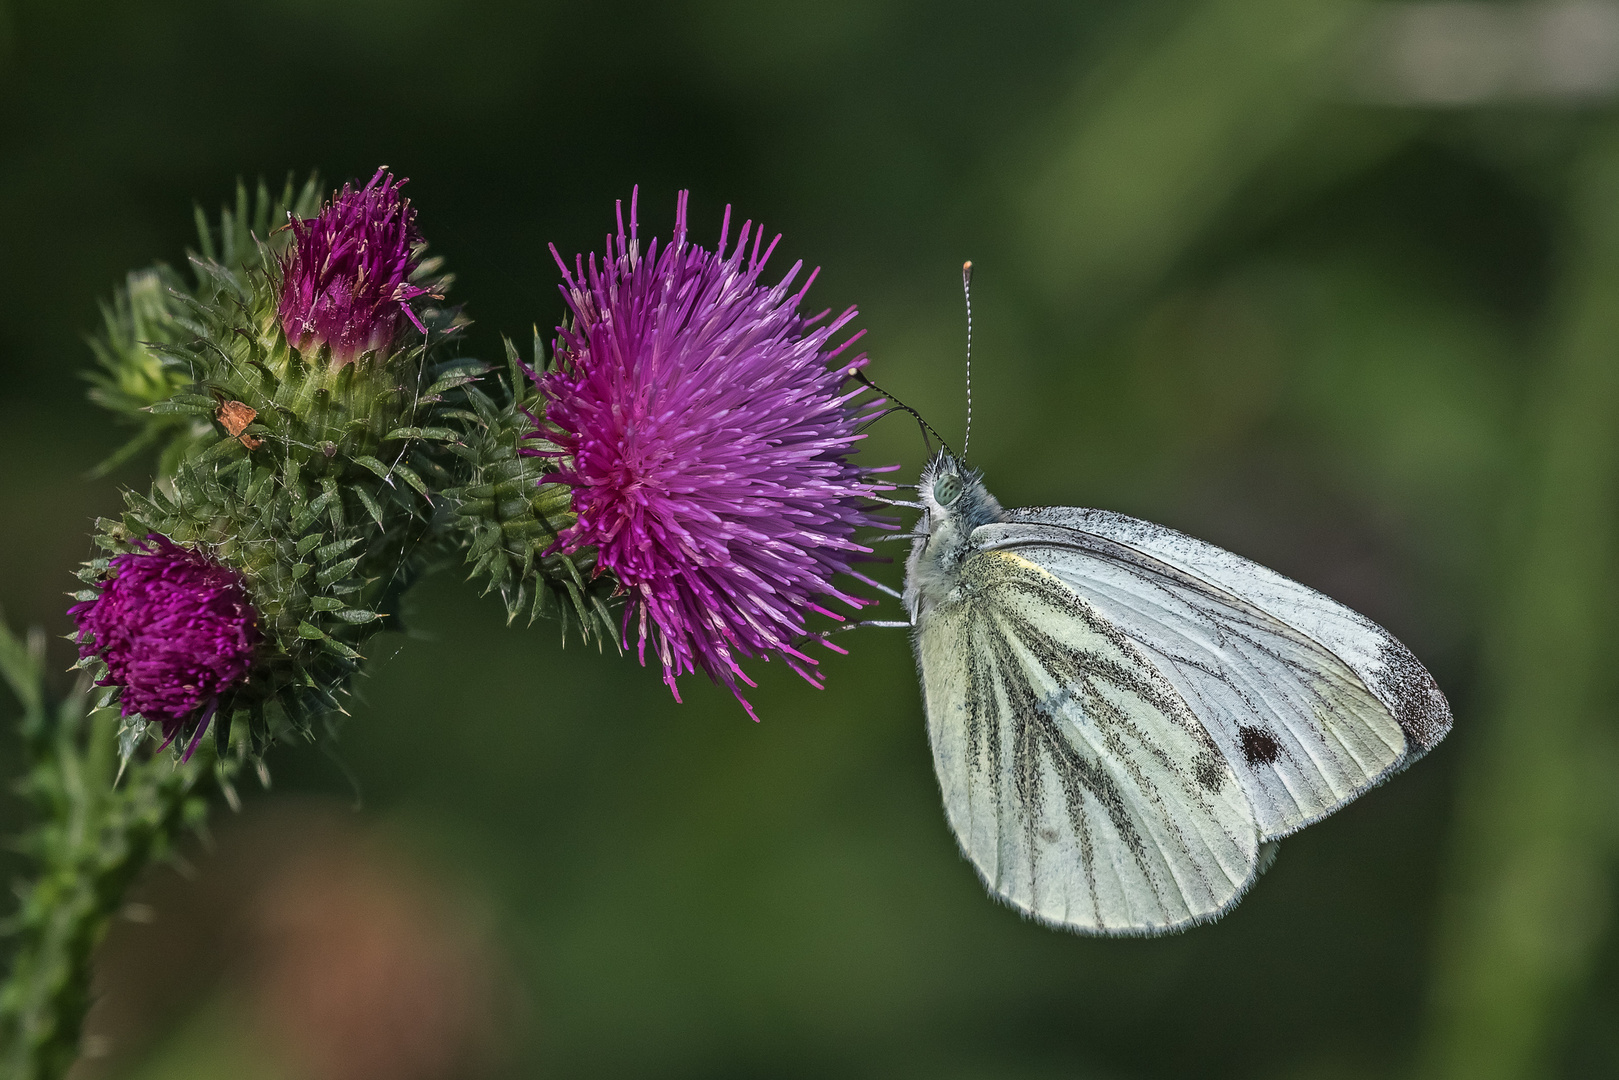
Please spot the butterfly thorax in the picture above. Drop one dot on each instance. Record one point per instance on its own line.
(954, 503)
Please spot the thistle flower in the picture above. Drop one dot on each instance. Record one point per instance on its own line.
(175, 630)
(704, 428)
(345, 280)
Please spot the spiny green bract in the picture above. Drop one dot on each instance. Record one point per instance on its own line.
(508, 519)
(147, 311)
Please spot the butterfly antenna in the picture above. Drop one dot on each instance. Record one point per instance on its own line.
(967, 293)
(861, 377)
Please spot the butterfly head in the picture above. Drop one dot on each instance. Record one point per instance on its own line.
(954, 494)
(954, 503)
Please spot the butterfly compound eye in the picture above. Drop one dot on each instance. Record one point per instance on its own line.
(947, 489)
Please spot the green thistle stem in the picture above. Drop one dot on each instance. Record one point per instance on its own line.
(97, 832)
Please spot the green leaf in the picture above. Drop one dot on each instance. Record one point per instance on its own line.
(450, 382)
(486, 541)
(173, 407)
(334, 501)
(334, 549)
(256, 491)
(367, 462)
(370, 504)
(341, 649)
(435, 434)
(22, 664)
(205, 237)
(409, 477)
(336, 571)
(222, 448)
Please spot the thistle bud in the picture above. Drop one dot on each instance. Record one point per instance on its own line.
(175, 631)
(346, 280)
(141, 353)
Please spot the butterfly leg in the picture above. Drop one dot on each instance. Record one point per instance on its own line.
(879, 586)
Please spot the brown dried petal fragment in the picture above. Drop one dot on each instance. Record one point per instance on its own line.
(235, 416)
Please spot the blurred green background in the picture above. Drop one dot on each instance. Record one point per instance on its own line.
(1333, 285)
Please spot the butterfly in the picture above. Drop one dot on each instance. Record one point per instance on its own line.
(1125, 720)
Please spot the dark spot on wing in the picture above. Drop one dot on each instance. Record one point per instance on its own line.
(1259, 746)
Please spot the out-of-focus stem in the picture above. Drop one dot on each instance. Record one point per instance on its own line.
(1159, 140)
(1531, 854)
(96, 833)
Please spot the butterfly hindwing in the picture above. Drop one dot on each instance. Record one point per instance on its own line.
(1308, 701)
(1077, 780)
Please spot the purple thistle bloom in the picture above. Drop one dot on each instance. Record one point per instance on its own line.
(175, 629)
(345, 281)
(705, 430)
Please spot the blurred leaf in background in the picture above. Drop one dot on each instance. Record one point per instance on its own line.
(1326, 283)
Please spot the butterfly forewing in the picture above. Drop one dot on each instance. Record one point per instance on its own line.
(1075, 776)
(1308, 701)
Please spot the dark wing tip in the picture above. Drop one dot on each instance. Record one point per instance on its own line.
(1413, 697)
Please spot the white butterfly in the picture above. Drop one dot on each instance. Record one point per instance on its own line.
(1125, 719)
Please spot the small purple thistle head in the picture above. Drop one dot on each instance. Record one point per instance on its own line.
(175, 628)
(345, 280)
(704, 426)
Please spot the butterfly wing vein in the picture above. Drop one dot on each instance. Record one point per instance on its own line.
(1308, 701)
(1078, 781)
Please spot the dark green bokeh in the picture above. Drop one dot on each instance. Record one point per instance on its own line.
(1366, 346)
